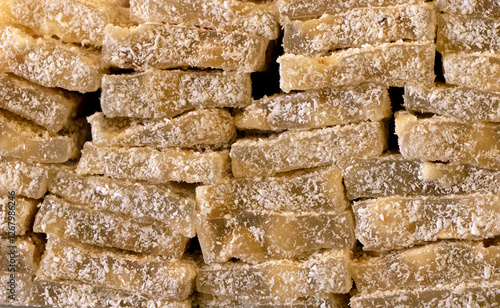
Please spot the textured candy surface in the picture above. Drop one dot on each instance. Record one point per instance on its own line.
(316, 109)
(22, 289)
(391, 64)
(331, 301)
(21, 209)
(476, 7)
(298, 150)
(25, 179)
(25, 250)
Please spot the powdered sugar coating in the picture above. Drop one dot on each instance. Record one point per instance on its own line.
(474, 7)
(330, 301)
(26, 179)
(28, 249)
(24, 214)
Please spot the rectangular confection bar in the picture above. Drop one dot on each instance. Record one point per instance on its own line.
(391, 64)
(167, 93)
(170, 204)
(50, 108)
(20, 254)
(15, 291)
(321, 274)
(391, 175)
(427, 266)
(463, 103)
(150, 276)
(74, 21)
(459, 33)
(235, 15)
(256, 236)
(448, 140)
(205, 128)
(319, 190)
(479, 70)
(400, 222)
(316, 109)
(177, 46)
(16, 214)
(25, 179)
(152, 165)
(476, 7)
(49, 62)
(302, 9)
(299, 150)
(330, 301)
(20, 138)
(358, 27)
(92, 226)
(485, 294)
(75, 294)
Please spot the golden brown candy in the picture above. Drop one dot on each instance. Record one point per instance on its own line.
(17, 286)
(16, 214)
(20, 254)
(476, 7)
(22, 178)
(330, 301)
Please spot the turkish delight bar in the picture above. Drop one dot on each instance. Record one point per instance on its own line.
(319, 190)
(97, 227)
(49, 62)
(448, 140)
(16, 214)
(320, 274)
(50, 108)
(167, 203)
(51, 293)
(391, 175)
(20, 138)
(205, 128)
(390, 64)
(298, 150)
(316, 109)
(23, 178)
(20, 254)
(16, 290)
(399, 222)
(303, 9)
(151, 276)
(234, 15)
(329, 301)
(476, 7)
(358, 27)
(168, 93)
(479, 70)
(256, 236)
(459, 33)
(463, 103)
(165, 46)
(152, 165)
(74, 21)
(427, 266)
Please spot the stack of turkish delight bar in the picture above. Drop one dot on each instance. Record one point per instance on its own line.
(183, 188)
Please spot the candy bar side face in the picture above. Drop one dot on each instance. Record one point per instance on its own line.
(427, 266)
(178, 46)
(25, 251)
(330, 301)
(321, 274)
(478, 7)
(150, 276)
(466, 104)
(52, 109)
(399, 222)
(316, 109)
(16, 214)
(447, 139)
(394, 64)
(485, 294)
(359, 27)
(25, 179)
(299, 150)
(302, 9)
(468, 33)
(144, 202)
(206, 128)
(20, 138)
(20, 285)
(74, 21)
(168, 93)
(72, 294)
(48, 62)
(91, 226)
(259, 236)
(157, 166)
(302, 191)
(475, 70)
(249, 17)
